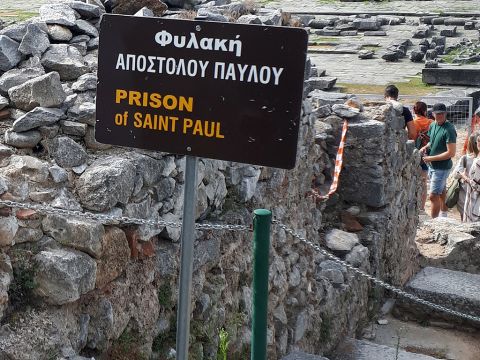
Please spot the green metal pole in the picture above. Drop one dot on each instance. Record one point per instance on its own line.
(261, 246)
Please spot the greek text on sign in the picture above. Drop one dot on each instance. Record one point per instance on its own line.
(216, 90)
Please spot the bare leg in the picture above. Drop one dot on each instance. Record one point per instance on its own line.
(443, 197)
(424, 186)
(436, 202)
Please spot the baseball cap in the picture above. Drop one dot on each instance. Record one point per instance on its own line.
(439, 108)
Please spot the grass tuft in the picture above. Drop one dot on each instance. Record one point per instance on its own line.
(414, 86)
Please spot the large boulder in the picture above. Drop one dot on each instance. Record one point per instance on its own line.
(84, 27)
(59, 13)
(17, 77)
(16, 31)
(45, 90)
(87, 11)
(9, 54)
(35, 41)
(24, 140)
(129, 7)
(8, 229)
(37, 117)
(450, 244)
(340, 241)
(63, 276)
(59, 33)
(83, 235)
(67, 153)
(28, 168)
(85, 82)
(105, 183)
(115, 257)
(66, 60)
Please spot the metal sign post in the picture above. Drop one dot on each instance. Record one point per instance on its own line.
(261, 248)
(184, 309)
(203, 89)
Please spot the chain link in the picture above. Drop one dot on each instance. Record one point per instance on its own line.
(373, 279)
(112, 219)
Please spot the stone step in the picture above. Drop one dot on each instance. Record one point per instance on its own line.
(353, 349)
(453, 289)
(298, 355)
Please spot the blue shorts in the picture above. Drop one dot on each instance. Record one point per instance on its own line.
(438, 180)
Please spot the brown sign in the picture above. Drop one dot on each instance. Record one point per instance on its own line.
(216, 90)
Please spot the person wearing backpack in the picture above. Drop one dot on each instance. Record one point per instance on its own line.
(422, 124)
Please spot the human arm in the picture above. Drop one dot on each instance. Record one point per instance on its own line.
(424, 149)
(412, 130)
(450, 153)
(474, 180)
(409, 123)
(459, 171)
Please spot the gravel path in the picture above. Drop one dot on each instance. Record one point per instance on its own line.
(411, 6)
(27, 5)
(317, 5)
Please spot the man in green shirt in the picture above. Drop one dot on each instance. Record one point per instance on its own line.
(442, 146)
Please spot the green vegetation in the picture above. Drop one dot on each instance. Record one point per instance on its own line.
(448, 58)
(243, 354)
(414, 86)
(165, 296)
(222, 345)
(371, 47)
(166, 340)
(16, 15)
(325, 329)
(127, 347)
(21, 289)
(52, 354)
(324, 39)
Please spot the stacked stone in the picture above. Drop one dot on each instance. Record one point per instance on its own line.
(396, 50)
(350, 25)
(468, 52)
(380, 173)
(49, 81)
(95, 281)
(318, 79)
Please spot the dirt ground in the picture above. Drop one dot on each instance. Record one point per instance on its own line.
(432, 341)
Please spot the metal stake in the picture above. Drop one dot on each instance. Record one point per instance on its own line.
(261, 247)
(184, 309)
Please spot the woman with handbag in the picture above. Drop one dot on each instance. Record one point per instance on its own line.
(463, 167)
(471, 211)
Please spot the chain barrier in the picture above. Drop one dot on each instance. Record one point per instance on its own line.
(338, 167)
(111, 219)
(373, 279)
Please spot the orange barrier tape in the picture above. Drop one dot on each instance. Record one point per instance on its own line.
(338, 166)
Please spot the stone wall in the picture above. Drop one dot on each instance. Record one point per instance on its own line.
(379, 187)
(70, 286)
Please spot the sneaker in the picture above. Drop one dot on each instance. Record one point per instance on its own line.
(443, 214)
